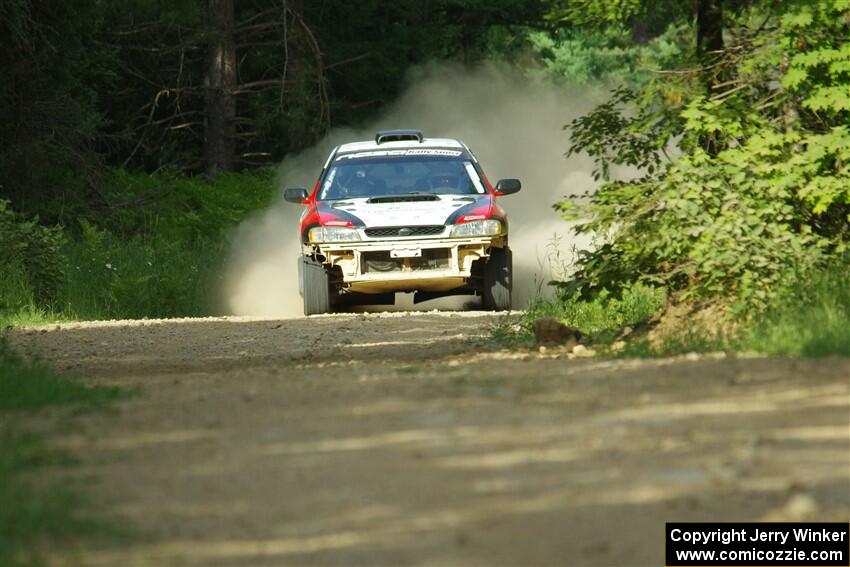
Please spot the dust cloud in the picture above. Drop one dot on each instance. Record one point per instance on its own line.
(512, 122)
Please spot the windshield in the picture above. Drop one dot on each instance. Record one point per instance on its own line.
(401, 176)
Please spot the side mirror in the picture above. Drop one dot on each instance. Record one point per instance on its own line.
(297, 196)
(508, 186)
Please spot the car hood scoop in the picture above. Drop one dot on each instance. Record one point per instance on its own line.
(407, 198)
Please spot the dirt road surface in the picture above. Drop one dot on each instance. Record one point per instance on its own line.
(409, 439)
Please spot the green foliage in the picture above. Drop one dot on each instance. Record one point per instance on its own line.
(588, 56)
(605, 314)
(758, 195)
(596, 12)
(176, 207)
(30, 253)
(709, 227)
(819, 67)
(154, 276)
(812, 320)
(156, 254)
(644, 19)
(18, 304)
(601, 317)
(617, 139)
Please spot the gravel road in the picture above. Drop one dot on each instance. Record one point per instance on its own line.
(407, 439)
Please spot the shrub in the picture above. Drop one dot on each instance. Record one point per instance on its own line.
(758, 194)
(155, 252)
(30, 257)
(709, 227)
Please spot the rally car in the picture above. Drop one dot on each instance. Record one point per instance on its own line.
(403, 213)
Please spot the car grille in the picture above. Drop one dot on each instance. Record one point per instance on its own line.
(404, 231)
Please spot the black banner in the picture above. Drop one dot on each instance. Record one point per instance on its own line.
(815, 544)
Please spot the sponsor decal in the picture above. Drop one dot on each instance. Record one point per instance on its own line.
(401, 153)
(328, 182)
(329, 216)
(473, 176)
(481, 209)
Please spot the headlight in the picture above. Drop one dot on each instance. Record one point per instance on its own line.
(333, 234)
(489, 227)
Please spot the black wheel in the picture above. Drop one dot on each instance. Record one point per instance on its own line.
(498, 280)
(315, 287)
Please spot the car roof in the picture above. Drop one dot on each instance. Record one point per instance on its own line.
(403, 144)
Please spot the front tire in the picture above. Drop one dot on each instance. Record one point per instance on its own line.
(315, 287)
(498, 280)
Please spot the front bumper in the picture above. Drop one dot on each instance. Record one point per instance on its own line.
(434, 264)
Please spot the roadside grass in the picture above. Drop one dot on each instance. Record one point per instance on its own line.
(601, 318)
(110, 278)
(157, 251)
(811, 321)
(113, 278)
(26, 386)
(34, 513)
(18, 306)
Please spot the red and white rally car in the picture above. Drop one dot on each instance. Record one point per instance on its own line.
(403, 213)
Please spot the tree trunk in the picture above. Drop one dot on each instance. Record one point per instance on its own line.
(709, 28)
(220, 82)
(709, 43)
